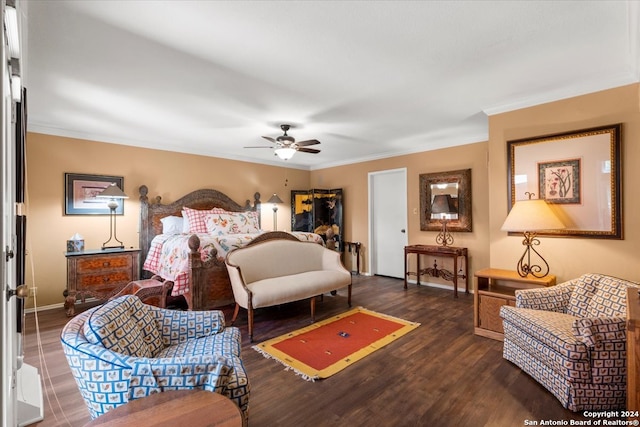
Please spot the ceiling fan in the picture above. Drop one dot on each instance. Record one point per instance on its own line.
(286, 146)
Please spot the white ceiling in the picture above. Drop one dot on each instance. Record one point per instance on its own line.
(369, 79)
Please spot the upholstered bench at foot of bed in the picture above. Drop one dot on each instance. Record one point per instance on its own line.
(281, 271)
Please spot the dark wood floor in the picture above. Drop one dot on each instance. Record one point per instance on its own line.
(440, 374)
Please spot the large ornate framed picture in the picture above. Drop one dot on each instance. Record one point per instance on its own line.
(80, 191)
(578, 173)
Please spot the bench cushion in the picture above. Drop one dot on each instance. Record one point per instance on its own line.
(295, 287)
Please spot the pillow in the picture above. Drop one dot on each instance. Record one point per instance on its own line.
(172, 225)
(113, 327)
(219, 224)
(195, 219)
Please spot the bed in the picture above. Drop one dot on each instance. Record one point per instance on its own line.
(193, 259)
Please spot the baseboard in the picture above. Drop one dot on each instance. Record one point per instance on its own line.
(55, 306)
(438, 285)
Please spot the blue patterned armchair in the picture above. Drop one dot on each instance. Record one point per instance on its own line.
(571, 339)
(125, 350)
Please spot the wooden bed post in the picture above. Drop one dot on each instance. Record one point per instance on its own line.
(143, 236)
(196, 273)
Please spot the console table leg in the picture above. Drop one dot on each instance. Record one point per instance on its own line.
(455, 277)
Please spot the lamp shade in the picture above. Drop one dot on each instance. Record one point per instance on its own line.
(443, 204)
(275, 199)
(531, 215)
(112, 192)
(285, 153)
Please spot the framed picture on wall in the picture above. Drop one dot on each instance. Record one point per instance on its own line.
(559, 181)
(80, 191)
(578, 173)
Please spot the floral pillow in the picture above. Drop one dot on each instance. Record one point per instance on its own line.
(219, 224)
(195, 219)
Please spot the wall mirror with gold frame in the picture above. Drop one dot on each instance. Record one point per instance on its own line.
(454, 187)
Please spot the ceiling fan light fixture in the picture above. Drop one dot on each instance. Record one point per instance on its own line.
(285, 153)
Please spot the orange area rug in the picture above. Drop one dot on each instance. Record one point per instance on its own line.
(324, 348)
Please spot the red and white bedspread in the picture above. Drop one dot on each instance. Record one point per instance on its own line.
(168, 255)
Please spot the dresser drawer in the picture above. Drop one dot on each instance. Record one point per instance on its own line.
(106, 279)
(88, 265)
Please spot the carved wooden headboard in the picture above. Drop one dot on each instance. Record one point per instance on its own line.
(151, 212)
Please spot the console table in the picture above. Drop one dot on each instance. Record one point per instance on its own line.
(438, 251)
(355, 247)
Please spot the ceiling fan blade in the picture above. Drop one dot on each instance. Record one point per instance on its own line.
(258, 146)
(307, 142)
(308, 150)
(268, 138)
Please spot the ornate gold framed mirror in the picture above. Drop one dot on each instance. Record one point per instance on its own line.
(446, 195)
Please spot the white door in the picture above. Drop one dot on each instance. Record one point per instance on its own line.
(388, 222)
(8, 311)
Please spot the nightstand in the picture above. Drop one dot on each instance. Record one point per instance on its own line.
(99, 273)
(495, 288)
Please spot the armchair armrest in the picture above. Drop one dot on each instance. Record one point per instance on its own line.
(178, 326)
(554, 298)
(208, 372)
(594, 330)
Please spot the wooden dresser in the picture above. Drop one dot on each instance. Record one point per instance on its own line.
(99, 273)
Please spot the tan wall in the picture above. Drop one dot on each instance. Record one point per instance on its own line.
(167, 174)
(171, 175)
(353, 179)
(174, 174)
(571, 257)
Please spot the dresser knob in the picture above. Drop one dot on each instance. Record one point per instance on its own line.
(105, 279)
(105, 264)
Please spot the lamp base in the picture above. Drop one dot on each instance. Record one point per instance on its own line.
(524, 266)
(444, 237)
(106, 248)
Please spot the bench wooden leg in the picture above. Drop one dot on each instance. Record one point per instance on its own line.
(349, 297)
(313, 309)
(235, 313)
(250, 321)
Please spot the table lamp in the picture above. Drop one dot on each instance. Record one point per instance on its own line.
(443, 204)
(527, 217)
(114, 193)
(275, 200)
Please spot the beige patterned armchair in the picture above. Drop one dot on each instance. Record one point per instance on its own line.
(571, 339)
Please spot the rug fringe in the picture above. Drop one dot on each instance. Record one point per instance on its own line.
(286, 367)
